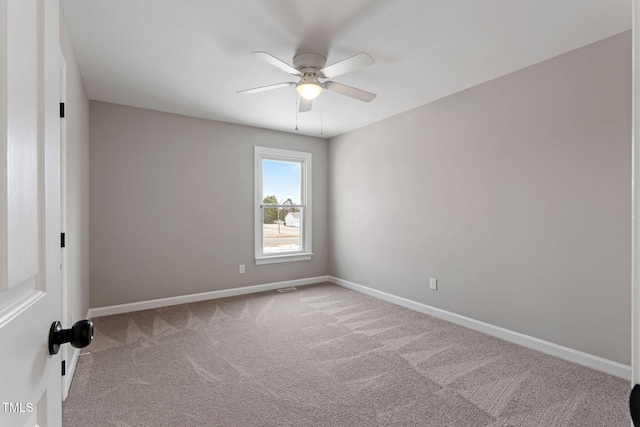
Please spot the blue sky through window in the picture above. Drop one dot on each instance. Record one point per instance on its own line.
(281, 179)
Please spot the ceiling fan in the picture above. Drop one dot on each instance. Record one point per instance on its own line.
(310, 67)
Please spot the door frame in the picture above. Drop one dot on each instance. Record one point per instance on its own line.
(66, 320)
(635, 222)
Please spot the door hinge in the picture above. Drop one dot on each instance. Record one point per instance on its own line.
(62, 109)
(63, 243)
(64, 367)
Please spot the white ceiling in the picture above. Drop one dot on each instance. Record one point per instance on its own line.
(191, 57)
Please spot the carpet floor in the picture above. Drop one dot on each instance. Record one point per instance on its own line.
(324, 356)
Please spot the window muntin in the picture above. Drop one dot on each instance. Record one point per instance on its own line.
(283, 214)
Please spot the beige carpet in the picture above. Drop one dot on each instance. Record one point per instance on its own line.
(324, 356)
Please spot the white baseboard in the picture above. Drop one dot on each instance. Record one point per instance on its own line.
(184, 299)
(585, 359)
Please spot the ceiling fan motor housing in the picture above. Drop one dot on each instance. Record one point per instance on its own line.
(309, 63)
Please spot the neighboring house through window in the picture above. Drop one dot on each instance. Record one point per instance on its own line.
(282, 205)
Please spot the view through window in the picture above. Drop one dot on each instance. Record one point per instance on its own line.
(281, 187)
(282, 205)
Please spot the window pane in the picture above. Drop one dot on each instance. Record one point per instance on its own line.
(281, 230)
(281, 182)
(283, 220)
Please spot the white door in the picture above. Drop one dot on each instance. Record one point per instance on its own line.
(30, 295)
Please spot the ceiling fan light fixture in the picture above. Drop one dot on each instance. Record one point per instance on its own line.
(309, 87)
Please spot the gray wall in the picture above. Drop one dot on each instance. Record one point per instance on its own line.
(172, 205)
(77, 185)
(514, 194)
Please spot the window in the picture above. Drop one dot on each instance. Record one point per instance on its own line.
(282, 205)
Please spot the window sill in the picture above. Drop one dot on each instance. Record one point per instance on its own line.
(273, 259)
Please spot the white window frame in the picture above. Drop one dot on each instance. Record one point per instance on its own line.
(266, 153)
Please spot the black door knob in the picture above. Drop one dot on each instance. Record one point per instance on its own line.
(79, 335)
(634, 404)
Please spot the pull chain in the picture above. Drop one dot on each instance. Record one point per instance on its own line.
(296, 104)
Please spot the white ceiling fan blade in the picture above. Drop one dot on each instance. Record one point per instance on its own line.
(350, 64)
(353, 92)
(263, 88)
(267, 57)
(305, 105)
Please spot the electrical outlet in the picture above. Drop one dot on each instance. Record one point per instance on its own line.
(241, 269)
(433, 284)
